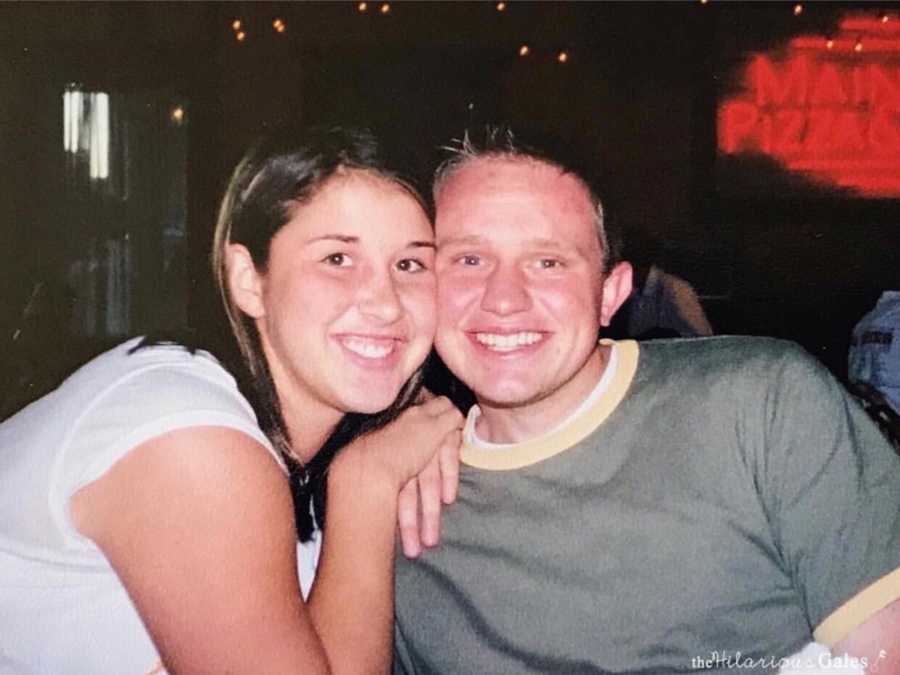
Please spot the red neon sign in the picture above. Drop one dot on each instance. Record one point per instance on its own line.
(825, 106)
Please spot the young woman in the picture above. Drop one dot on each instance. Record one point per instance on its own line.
(146, 519)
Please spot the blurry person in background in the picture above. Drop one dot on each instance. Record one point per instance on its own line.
(661, 304)
(875, 349)
(874, 364)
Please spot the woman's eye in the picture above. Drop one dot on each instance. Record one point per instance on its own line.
(410, 265)
(337, 260)
(469, 260)
(549, 263)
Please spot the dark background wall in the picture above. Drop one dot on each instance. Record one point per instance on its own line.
(639, 89)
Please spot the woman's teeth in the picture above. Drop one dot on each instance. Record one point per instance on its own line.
(369, 348)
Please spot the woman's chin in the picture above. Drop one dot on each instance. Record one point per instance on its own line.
(369, 401)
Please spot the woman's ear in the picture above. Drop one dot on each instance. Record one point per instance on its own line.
(245, 283)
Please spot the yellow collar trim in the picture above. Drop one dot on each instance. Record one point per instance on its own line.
(531, 452)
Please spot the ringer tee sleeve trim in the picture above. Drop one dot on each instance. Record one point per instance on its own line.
(853, 613)
(531, 452)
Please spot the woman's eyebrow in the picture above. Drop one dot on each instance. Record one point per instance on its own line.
(347, 239)
(421, 244)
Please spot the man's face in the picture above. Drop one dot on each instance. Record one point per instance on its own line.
(520, 285)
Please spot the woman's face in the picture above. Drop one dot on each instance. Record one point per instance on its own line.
(346, 306)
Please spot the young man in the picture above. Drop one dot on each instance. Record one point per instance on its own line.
(678, 505)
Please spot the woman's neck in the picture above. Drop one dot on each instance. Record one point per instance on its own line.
(309, 426)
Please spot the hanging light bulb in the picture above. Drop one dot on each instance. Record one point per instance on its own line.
(240, 36)
(563, 56)
(385, 8)
(858, 47)
(501, 6)
(363, 6)
(236, 24)
(279, 26)
(829, 43)
(524, 50)
(798, 9)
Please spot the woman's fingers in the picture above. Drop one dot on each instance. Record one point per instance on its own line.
(430, 481)
(421, 450)
(448, 458)
(421, 500)
(408, 519)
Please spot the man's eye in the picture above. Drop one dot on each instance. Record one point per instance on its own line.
(469, 260)
(410, 265)
(337, 260)
(549, 263)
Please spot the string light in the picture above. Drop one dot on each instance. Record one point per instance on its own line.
(703, 2)
(858, 47)
(885, 18)
(363, 6)
(236, 24)
(829, 43)
(385, 8)
(501, 6)
(178, 114)
(279, 26)
(798, 10)
(240, 36)
(563, 56)
(524, 50)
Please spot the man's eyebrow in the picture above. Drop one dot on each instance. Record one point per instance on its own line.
(539, 242)
(421, 244)
(550, 243)
(467, 240)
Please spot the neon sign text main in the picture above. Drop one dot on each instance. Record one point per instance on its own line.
(829, 108)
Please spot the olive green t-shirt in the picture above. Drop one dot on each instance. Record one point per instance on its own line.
(723, 499)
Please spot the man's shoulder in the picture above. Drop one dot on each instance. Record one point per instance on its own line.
(724, 351)
(730, 366)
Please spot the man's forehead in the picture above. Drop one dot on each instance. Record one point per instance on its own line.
(510, 172)
(501, 192)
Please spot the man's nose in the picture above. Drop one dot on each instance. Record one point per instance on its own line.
(378, 297)
(506, 291)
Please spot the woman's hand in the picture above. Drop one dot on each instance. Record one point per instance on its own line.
(403, 449)
(420, 502)
(417, 454)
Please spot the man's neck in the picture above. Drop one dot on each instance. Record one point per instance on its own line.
(530, 420)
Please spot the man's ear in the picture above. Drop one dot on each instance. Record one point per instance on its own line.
(245, 283)
(616, 289)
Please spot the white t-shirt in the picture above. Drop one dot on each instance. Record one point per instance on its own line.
(62, 607)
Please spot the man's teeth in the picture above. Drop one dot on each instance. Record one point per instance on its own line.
(505, 343)
(367, 348)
